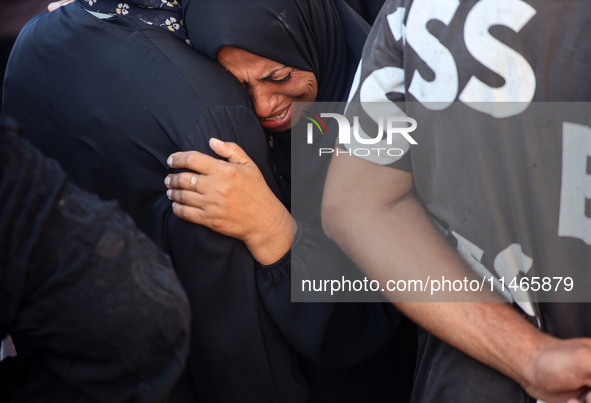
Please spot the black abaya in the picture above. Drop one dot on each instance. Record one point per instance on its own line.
(111, 100)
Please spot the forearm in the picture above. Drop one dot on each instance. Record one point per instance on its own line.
(486, 332)
(391, 237)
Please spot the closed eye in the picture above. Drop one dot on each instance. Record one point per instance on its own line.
(283, 80)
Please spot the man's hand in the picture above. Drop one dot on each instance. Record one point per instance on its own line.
(561, 372)
(57, 4)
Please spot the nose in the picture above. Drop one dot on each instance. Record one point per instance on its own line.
(265, 101)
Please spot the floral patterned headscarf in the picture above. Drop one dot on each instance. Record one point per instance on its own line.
(160, 13)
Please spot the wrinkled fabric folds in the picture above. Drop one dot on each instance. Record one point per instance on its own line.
(159, 13)
(322, 36)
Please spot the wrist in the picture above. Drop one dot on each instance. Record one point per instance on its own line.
(273, 242)
(529, 374)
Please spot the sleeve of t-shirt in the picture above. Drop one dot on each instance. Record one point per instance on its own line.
(378, 91)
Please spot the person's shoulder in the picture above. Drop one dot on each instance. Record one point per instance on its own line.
(35, 26)
(211, 83)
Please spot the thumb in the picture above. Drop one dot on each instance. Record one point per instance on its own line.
(231, 151)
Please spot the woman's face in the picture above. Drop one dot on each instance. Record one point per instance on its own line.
(272, 86)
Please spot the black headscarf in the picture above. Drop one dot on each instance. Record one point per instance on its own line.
(325, 37)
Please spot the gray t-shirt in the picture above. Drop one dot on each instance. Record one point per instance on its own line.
(500, 91)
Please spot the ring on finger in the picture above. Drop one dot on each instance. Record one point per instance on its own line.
(193, 182)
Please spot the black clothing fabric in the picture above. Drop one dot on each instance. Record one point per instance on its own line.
(112, 125)
(325, 37)
(5, 48)
(367, 9)
(96, 307)
(158, 13)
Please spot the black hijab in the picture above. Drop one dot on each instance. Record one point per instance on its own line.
(325, 37)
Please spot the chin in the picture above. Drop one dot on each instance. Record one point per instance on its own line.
(280, 129)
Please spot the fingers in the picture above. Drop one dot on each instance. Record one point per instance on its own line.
(195, 161)
(193, 182)
(57, 4)
(186, 181)
(206, 164)
(231, 151)
(189, 213)
(187, 204)
(186, 197)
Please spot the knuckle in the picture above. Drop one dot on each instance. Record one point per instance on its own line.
(181, 197)
(230, 170)
(224, 167)
(216, 224)
(225, 189)
(192, 159)
(184, 181)
(174, 180)
(231, 145)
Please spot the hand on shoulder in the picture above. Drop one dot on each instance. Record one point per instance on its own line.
(230, 197)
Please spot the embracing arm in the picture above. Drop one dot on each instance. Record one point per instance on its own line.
(331, 334)
(386, 230)
(230, 327)
(231, 197)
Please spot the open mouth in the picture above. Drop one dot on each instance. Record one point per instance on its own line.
(280, 116)
(280, 121)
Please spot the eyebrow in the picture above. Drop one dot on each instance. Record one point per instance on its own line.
(271, 74)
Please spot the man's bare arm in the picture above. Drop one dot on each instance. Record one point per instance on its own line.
(371, 212)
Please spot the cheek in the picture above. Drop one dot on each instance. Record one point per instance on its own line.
(312, 92)
(311, 89)
(304, 91)
(291, 93)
